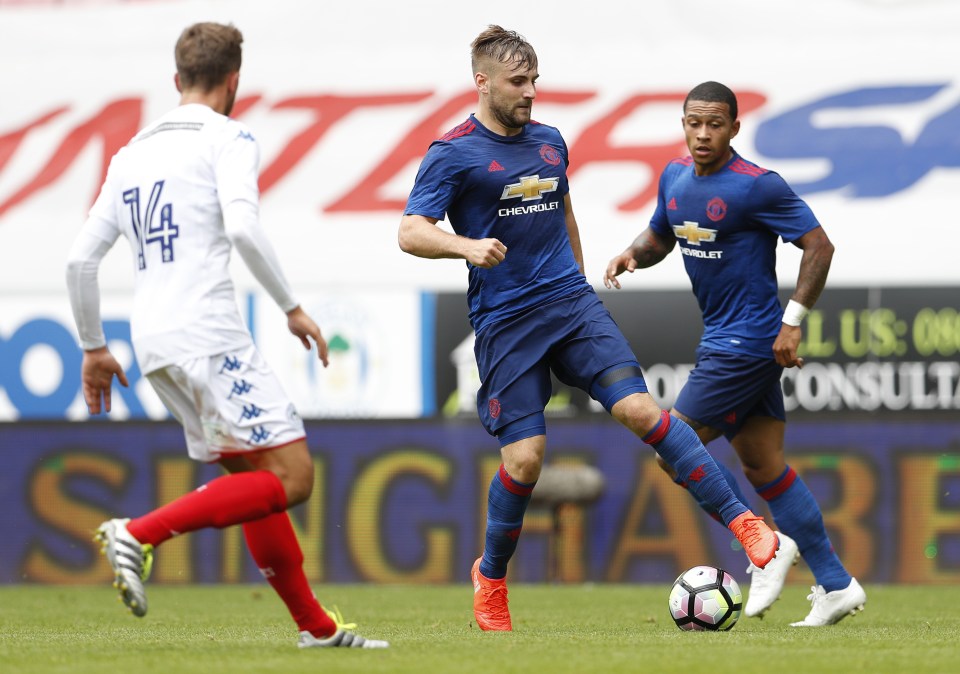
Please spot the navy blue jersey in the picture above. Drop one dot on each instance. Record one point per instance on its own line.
(727, 224)
(509, 188)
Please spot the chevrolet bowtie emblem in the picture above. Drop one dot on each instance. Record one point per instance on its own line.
(530, 187)
(693, 233)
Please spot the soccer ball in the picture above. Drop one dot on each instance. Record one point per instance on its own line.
(705, 598)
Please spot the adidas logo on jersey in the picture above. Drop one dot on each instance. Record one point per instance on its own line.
(495, 166)
(672, 206)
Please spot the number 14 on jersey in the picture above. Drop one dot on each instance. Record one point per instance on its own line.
(146, 228)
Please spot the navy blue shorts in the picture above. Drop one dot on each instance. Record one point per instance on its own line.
(726, 389)
(575, 337)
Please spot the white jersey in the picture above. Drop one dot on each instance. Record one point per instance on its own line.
(166, 192)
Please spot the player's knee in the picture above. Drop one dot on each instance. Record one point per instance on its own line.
(298, 487)
(649, 415)
(759, 474)
(525, 467)
(523, 442)
(640, 413)
(293, 466)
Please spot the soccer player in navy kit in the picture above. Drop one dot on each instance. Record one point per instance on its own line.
(727, 213)
(502, 180)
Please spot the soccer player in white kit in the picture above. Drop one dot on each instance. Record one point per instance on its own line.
(183, 192)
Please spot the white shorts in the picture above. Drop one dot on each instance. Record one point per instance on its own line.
(228, 404)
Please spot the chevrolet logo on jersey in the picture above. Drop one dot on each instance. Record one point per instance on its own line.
(693, 233)
(530, 188)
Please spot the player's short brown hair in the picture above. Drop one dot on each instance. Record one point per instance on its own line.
(206, 53)
(502, 46)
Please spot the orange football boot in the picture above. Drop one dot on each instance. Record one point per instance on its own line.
(757, 539)
(490, 602)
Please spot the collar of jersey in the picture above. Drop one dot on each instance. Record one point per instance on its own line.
(496, 136)
(733, 158)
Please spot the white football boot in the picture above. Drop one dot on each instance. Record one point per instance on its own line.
(829, 608)
(767, 583)
(131, 562)
(341, 638)
(344, 637)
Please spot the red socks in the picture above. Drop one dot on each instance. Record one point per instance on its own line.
(223, 502)
(274, 547)
(257, 500)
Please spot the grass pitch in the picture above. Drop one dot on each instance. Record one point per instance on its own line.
(558, 628)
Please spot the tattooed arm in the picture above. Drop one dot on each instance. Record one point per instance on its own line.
(645, 251)
(814, 267)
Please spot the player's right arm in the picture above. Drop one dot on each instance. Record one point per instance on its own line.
(438, 186)
(420, 236)
(99, 367)
(651, 245)
(645, 251)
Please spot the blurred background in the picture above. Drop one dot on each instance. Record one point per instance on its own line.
(855, 102)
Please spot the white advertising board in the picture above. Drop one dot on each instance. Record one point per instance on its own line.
(374, 357)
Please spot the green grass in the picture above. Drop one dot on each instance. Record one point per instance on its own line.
(590, 628)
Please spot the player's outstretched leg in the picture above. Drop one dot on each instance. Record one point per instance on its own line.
(829, 608)
(767, 583)
(274, 547)
(680, 447)
(131, 562)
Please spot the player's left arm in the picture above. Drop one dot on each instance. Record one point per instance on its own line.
(811, 279)
(241, 224)
(573, 231)
(237, 174)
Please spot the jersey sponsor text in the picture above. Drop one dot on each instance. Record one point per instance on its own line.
(702, 254)
(532, 208)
